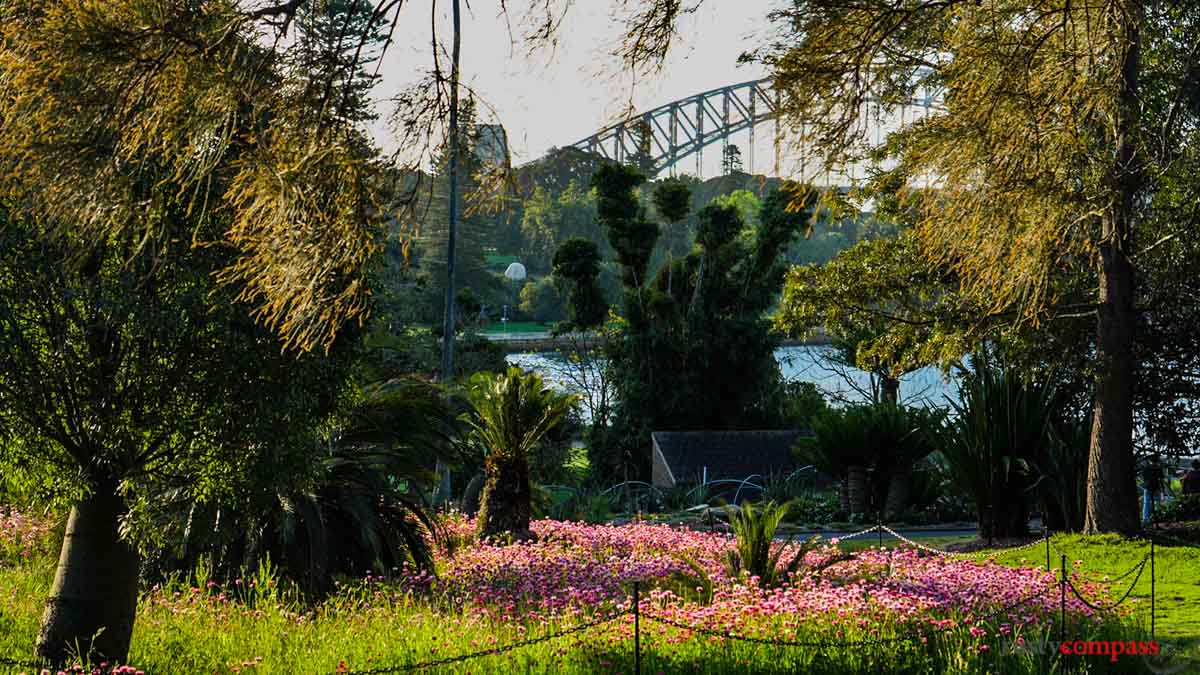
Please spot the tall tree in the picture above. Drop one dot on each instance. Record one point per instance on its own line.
(731, 159)
(550, 220)
(123, 376)
(1057, 118)
(338, 45)
(91, 94)
(695, 350)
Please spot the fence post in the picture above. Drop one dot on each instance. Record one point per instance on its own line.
(637, 632)
(879, 528)
(1062, 602)
(1046, 536)
(1151, 585)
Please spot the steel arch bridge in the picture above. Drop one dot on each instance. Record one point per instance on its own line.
(660, 138)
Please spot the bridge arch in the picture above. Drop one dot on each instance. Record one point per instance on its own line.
(660, 138)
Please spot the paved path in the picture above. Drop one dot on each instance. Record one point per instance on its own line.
(915, 534)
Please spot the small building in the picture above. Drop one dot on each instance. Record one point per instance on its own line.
(689, 457)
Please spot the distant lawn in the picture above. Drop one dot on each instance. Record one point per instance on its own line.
(497, 328)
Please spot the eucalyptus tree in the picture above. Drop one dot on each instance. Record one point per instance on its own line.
(1057, 123)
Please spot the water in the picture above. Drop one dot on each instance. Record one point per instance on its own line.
(810, 363)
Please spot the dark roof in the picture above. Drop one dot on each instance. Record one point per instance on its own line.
(727, 454)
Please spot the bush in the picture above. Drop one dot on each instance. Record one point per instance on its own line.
(1003, 425)
(543, 301)
(1178, 510)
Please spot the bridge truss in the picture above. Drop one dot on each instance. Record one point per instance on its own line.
(659, 139)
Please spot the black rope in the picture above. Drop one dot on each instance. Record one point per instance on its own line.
(833, 643)
(487, 652)
(1133, 569)
(1139, 567)
(22, 664)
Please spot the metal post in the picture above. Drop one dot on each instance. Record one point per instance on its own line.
(879, 529)
(1046, 536)
(753, 96)
(452, 233)
(724, 130)
(1152, 585)
(637, 632)
(1062, 602)
(778, 133)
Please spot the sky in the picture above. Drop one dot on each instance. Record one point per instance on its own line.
(556, 98)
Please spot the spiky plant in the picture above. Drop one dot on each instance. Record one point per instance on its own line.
(756, 552)
(512, 412)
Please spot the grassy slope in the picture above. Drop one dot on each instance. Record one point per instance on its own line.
(1176, 576)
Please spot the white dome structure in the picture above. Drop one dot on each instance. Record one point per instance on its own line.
(515, 271)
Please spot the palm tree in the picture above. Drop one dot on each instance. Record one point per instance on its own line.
(512, 413)
(842, 446)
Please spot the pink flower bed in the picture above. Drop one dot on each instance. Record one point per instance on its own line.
(575, 568)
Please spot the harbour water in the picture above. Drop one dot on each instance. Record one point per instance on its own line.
(811, 363)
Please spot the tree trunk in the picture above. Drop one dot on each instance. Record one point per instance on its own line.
(844, 496)
(889, 388)
(1112, 504)
(856, 481)
(897, 495)
(471, 495)
(94, 598)
(506, 505)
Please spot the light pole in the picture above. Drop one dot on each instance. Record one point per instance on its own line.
(443, 491)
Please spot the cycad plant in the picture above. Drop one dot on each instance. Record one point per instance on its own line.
(758, 554)
(905, 436)
(512, 412)
(842, 446)
(885, 438)
(360, 510)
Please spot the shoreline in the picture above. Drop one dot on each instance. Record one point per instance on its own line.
(539, 342)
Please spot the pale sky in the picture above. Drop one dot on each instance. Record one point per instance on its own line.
(556, 99)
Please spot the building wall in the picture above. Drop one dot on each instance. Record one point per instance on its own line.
(660, 473)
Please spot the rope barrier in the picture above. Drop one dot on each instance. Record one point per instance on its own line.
(1139, 567)
(957, 554)
(869, 530)
(484, 653)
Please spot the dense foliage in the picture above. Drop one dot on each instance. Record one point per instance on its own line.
(694, 350)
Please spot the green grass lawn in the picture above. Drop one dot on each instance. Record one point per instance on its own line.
(1176, 576)
(497, 328)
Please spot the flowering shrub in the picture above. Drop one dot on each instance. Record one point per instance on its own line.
(575, 568)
